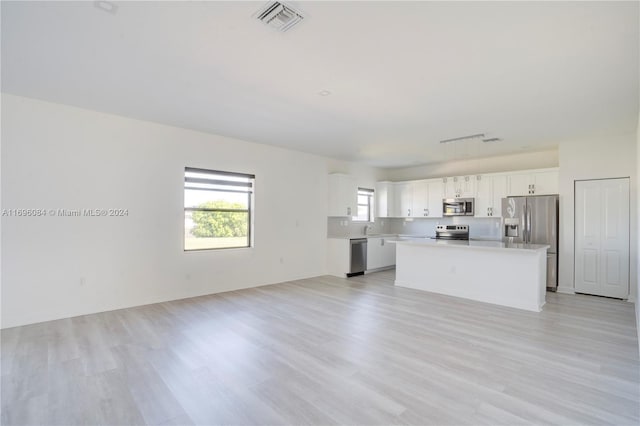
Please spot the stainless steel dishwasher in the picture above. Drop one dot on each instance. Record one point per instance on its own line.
(358, 260)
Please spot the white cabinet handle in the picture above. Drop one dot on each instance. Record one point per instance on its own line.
(408, 212)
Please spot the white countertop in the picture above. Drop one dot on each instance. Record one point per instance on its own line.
(473, 244)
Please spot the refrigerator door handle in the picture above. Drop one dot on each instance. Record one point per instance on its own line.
(525, 224)
(528, 224)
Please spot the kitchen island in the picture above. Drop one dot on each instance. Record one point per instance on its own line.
(505, 274)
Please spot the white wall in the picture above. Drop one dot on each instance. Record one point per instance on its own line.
(596, 158)
(504, 163)
(637, 221)
(56, 156)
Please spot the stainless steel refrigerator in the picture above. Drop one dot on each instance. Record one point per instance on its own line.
(534, 220)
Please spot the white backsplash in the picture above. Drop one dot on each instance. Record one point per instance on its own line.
(479, 227)
(343, 227)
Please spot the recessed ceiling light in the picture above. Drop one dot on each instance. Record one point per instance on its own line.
(324, 93)
(107, 6)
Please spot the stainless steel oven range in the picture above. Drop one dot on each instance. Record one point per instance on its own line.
(452, 232)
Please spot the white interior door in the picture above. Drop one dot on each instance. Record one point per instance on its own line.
(602, 237)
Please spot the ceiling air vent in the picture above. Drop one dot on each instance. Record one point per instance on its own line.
(279, 16)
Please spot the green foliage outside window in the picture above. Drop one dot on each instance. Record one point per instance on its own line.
(209, 224)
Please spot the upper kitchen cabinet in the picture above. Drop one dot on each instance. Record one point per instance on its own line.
(385, 199)
(434, 197)
(534, 182)
(421, 198)
(403, 199)
(459, 187)
(546, 182)
(343, 195)
(490, 190)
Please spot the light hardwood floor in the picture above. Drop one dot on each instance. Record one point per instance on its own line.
(328, 351)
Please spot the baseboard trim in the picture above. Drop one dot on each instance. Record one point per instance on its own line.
(566, 290)
(384, 268)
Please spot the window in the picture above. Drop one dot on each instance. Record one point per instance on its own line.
(218, 209)
(365, 205)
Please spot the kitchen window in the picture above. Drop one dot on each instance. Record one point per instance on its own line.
(218, 209)
(365, 205)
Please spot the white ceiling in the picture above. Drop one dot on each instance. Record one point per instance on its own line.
(402, 75)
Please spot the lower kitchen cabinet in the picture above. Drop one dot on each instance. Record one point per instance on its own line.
(338, 256)
(380, 253)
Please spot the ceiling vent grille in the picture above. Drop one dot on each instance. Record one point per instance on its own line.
(279, 16)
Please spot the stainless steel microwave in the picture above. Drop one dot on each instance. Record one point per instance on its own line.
(457, 207)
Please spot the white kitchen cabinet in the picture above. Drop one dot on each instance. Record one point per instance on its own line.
(499, 192)
(343, 195)
(546, 182)
(435, 196)
(385, 200)
(403, 199)
(374, 253)
(388, 253)
(484, 196)
(490, 190)
(380, 253)
(420, 198)
(338, 256)
(423, 198)
(519, 184)
(459, 187)
(534, 182)
(449, 187)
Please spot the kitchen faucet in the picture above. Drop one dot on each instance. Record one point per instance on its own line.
(367, 228)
